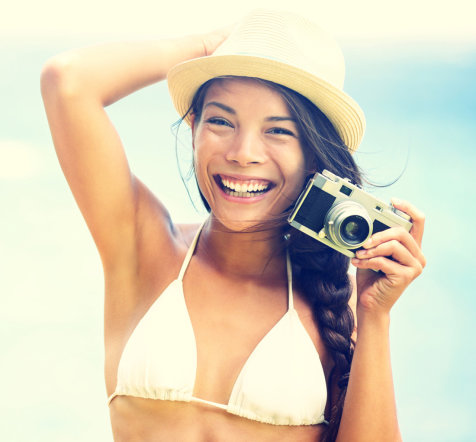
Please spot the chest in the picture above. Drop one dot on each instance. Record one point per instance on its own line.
(232, 320)
(248, 346)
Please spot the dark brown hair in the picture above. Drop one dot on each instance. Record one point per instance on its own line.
(320, 272)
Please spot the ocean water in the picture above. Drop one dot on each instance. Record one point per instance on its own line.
(420, 103)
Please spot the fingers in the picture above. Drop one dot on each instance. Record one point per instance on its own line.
(395, 242)
(390, 268)
(213, 39)
(392, 248)
(411, 241)
(391, 257)
(393, 251)
(418, 218)
(396, 254)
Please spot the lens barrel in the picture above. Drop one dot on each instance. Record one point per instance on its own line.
(348, 224)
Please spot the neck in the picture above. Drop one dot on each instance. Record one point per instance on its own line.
(250, 254)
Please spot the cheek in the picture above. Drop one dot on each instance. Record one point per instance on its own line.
(295, 168)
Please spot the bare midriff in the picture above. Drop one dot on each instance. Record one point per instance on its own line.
(148, 420)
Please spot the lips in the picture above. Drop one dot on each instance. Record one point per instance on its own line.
(243, 188)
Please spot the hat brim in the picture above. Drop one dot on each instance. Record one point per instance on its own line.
(342, 111)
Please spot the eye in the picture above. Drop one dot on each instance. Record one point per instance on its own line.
(281, 131)
(219, 121)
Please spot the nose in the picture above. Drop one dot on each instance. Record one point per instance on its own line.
(247, 149)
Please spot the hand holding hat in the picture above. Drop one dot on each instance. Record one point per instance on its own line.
(212, 40)
(284, 48)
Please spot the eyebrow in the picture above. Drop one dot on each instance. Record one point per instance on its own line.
(232, 111)
(221, 106)
(281, 119)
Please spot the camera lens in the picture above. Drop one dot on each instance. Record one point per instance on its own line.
(348, 224)
(354, 229)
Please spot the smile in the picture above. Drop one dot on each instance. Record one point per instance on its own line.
(240, 188)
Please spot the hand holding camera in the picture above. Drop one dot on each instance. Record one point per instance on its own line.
(341, 215)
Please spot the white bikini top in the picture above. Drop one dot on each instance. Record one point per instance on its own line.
(281, 383)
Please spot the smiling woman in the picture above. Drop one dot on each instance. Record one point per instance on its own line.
(239, 328)
(245, 137)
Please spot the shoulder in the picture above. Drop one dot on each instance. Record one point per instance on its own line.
(155, 221)
(150, 258)
(134, 285)
(185, 233)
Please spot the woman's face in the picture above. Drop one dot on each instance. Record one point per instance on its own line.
(248, 158)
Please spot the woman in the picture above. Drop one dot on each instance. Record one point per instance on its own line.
(242, 328)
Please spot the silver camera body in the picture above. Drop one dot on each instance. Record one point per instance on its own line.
(341, 215)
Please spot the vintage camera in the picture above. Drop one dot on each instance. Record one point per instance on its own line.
(341, 215)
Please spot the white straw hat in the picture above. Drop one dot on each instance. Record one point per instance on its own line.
(284, 48)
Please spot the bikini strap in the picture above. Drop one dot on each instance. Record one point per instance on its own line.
(289, 271)
(190, 251)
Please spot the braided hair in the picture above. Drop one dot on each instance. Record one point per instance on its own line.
(321, 273)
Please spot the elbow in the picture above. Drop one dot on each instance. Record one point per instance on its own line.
(59, 76)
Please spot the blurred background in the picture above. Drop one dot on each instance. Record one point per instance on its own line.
(411, 65)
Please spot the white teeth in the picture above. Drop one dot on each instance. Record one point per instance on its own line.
(241, 194)
(243, 188)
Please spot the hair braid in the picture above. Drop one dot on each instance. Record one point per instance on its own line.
(323, 272)
(324, 281)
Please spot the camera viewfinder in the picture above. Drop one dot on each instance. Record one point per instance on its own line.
(346, 190)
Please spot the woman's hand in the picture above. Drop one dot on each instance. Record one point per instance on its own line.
(213, 39)
(397, 255)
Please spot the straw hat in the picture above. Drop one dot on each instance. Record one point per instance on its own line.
(284, 48)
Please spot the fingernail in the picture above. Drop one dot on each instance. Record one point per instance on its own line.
(396, 201)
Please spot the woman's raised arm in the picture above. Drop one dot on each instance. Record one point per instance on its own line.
(76, 86)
